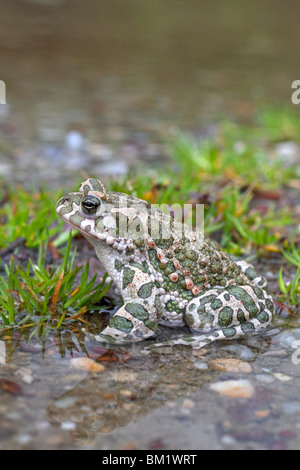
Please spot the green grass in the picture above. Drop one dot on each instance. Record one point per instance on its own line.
(54, 295)
(28, 214)
(290, 290)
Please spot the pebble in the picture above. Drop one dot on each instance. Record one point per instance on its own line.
(231, 365)
(25, 374)
(23, 439)
(287, 338)
(74, 140)
(85, 363)
(262, 413)
(265, 378)
(199, 352)
(228, 440)
(66, 402)
(287, 149)
(188, 404)
(234, 388)
(127, 393)
(123, 376)
(290, 408)
(242, 352)
(201, 365)
(68, 426)
(282, 377)
(276, 353)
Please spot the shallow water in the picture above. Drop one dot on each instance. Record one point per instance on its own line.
(174, 400)
(97, 87)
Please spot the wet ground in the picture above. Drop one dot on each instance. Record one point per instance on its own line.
(97, 87)
(238, 395)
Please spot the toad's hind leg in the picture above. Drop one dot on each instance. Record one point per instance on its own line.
(225, 314)
(250, 272)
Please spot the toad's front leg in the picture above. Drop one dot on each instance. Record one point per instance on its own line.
(138, 318)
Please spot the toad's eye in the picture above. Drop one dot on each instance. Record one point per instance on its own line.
(90, 204)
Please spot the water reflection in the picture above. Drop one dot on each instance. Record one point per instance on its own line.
(124, 389)
(131, 388)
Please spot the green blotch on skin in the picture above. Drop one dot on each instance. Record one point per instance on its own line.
(251, 273)
(118, 265)
(158, 305)
(65, 210)
(225, 316)
(240, 294)
(248, 327)
(241, 316)
(76, 219)
(145, 290)
(137, 310)
(121, 323)
(139, 266)
(263, 317)
(86, 188)
(96, 185)
(146, 268)
(258, 292)
(215, 334)
(108, 338)
(128, 275)
(206, 317)
(189, 338)
(270, 305)
(229, 332)
(216, 304)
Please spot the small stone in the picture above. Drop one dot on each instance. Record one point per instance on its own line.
(123, 376)
(287, 338)
(200, 352)
(282, 377)
(74, 140)
(66, 402)
(25, 374)
(201, 365)
(85, 363)
(262, 413)
(23, 439)
(126, 393)
(228, 440)
(276, 353)
(231, 365)
(68, 426)
(265, 378)
(188, 404)
(240, 351)
(234, 388)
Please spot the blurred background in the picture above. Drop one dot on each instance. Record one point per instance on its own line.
(97, 86)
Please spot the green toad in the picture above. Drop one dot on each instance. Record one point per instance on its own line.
(164, 276)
